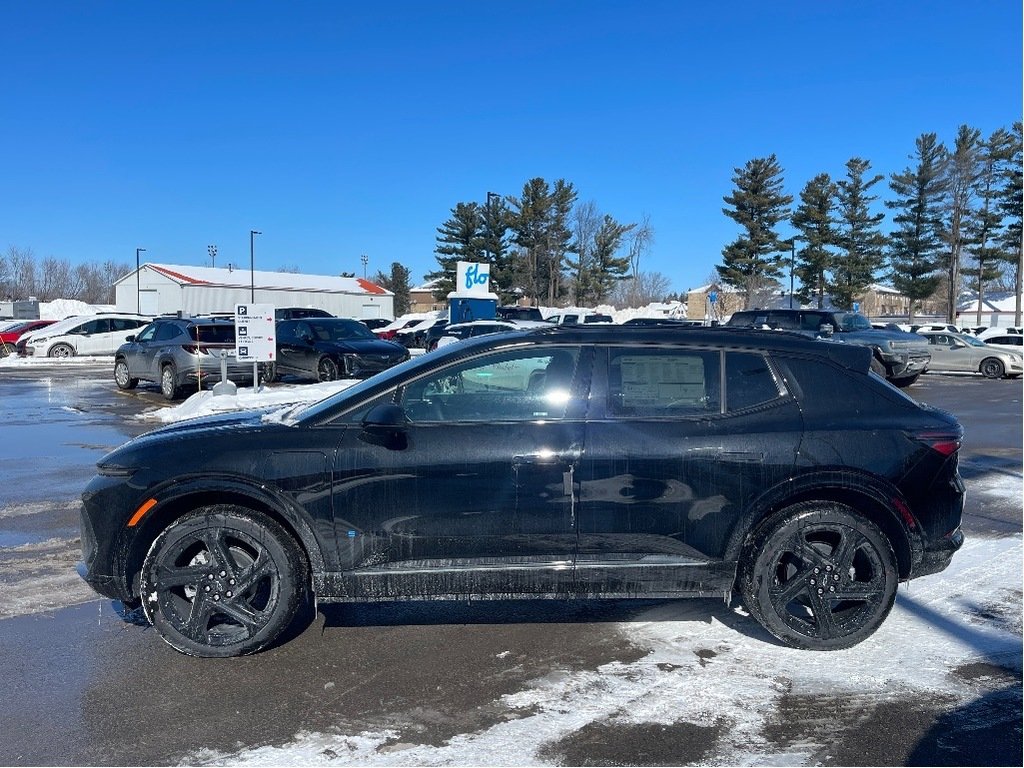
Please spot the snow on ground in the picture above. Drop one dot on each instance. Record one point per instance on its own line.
(205, 403)
(13, 361)
(61, 308)
(701, 670)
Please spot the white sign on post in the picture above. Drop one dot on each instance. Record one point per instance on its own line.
(255, 336)
(472, 279)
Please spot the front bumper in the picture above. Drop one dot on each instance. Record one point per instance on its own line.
(903, 364)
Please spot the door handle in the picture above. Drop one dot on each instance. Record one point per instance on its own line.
(746, 457)
(546, 457)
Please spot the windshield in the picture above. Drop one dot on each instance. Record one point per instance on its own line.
(851, 321)
(340, 330)
(212, 334)
(971, 341)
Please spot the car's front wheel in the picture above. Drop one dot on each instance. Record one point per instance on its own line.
(223, 581)
(61, 350)
(122, 377)
(819, 576)
(326, 369)
(991, 368)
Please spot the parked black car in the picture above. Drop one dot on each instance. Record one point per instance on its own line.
(899, 356)
(595, 462)
(298, 313)
(325, 349)
(179, 353)
(515, 312)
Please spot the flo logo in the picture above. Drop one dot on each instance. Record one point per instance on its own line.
(476, 276)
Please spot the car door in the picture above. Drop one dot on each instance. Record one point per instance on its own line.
(945, 355)
(139, 354)
(291, 350)
(678, 442)
(477, 494)
(90, 337)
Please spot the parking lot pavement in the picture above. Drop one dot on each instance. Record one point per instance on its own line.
(641, 682)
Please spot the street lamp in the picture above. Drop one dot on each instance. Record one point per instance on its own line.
(138, 281)
(212, 249)
(792, 264)
(366, 260)
(252, 266)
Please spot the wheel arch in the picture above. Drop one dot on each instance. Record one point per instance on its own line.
(190, 496)
(869, 496)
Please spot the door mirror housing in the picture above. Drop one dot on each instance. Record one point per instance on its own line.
(130, 338)
(826, 329)
(385, 425)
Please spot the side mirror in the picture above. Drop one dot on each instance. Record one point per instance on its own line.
(130, 338)
(385, 425)
(826, 329)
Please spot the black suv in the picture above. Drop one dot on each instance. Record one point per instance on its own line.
(899, 356)
(297, 313)
(515, 312)
(179, 353)
(587, 462)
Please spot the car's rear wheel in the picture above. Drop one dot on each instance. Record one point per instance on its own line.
(223, 581)
(169, 381)
(122, 377)
(991, 368)
(819, 576)
(326, 369)
(268, 372)
(61, 350)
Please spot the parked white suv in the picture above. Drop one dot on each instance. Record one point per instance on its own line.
(82, 335)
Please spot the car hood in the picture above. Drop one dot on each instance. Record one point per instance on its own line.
(362, 347)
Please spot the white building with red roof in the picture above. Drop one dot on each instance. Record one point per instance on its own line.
(157, 289)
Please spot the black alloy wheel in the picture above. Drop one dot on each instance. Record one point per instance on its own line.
(61, 350)
(268, 372)
(326, 369)
(819, 576)
(223, 581)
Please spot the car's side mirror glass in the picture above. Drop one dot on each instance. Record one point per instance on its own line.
(385, 425)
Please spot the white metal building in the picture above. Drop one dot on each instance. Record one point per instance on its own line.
(168, 288)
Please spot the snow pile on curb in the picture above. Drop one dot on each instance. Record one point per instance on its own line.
(205, 403)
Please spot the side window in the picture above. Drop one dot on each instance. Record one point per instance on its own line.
(787, 321)
(93, 327)
(749, 381)
(147, 333)
(286, 331)
(166, 332)
(663, 382)
(520, 385)
(123, 324)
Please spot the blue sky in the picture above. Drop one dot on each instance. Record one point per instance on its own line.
(340, 129)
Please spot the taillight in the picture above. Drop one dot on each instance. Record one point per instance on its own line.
(944, 443)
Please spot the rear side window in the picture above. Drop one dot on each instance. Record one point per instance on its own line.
(663, 382)
(213, 334)
(166, 332)
(749, 381)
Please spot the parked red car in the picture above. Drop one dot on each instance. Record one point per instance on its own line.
(11, 335)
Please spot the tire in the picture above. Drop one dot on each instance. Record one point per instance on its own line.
(169, 381)
(61, 350)
(798, 566)
(122, 377)
(268, 372)
(223, 581)
(992, 368)
(906, 381)
(326, 369)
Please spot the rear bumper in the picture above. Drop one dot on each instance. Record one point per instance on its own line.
(938, 554)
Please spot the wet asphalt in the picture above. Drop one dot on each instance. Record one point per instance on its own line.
(87, 685)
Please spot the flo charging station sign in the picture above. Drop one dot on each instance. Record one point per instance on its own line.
(255, 335)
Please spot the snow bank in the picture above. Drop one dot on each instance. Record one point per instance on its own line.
(205, 403)
(700, 669)
(61, 308)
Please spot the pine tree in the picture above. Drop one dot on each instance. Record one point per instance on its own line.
(961, 177)
(860, 240)
(398, 283)
(494, 241)
(609, 268)
(916, 244)
(459, 239)
(983, 231)
(540, 227)
(757, 204)
(814, 219)
(1011, 201)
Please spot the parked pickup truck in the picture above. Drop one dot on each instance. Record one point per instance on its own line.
(901, 357)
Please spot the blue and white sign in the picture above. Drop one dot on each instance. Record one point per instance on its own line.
(472, 278)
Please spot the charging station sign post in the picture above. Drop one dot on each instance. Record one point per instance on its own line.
(255, 336)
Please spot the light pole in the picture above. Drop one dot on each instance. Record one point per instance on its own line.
(366, 260)
(792, 265)
(252, 266)
(138, 281)
(212, 249)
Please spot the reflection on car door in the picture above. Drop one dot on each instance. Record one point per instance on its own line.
(140, 354)
(702, 431)
(479, 497)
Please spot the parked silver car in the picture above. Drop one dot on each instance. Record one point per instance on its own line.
(957, 352)
(180, 352)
